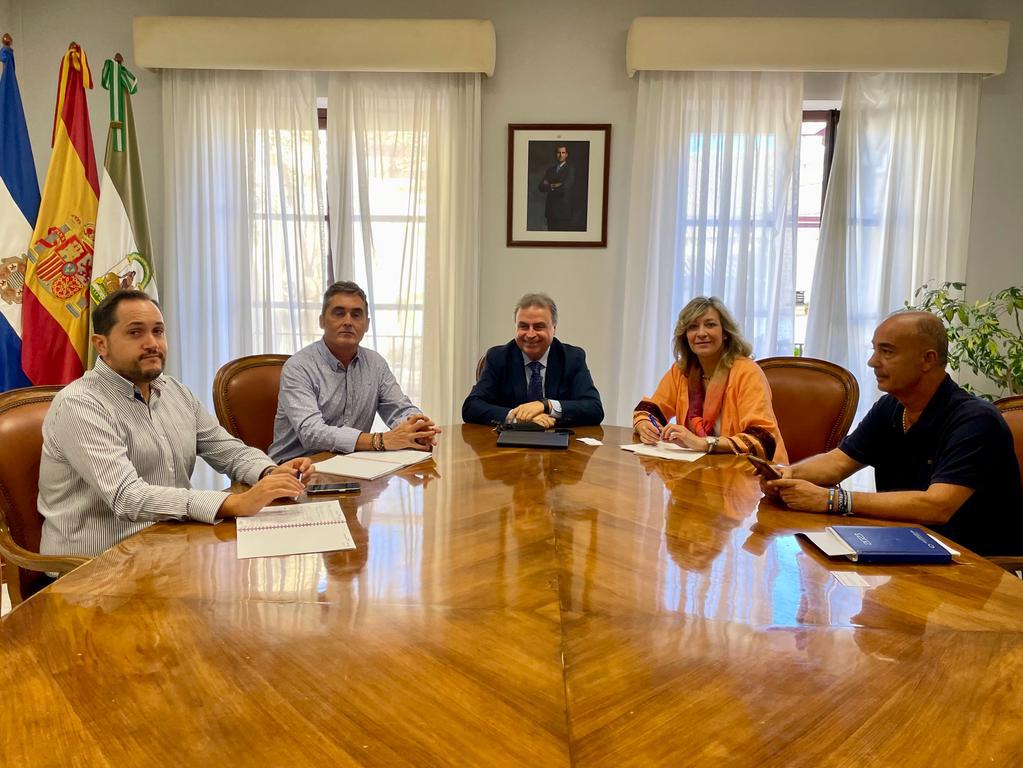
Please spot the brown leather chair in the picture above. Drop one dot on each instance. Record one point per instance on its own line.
(480, 365)
(814, 400)
(21, 444)
(245, 398)
(1012, 411)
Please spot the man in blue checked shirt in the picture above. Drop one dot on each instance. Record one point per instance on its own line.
(332, 390)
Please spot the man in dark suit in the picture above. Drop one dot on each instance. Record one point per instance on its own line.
(534, 377)
(558, 182)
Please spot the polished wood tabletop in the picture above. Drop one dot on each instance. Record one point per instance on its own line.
(520, 607)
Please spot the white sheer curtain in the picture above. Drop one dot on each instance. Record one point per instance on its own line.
(712, 212)
(404, 171)
(244, 213)
(897, 211)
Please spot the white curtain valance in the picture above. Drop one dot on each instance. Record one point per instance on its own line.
(817, 45)
(318, 45)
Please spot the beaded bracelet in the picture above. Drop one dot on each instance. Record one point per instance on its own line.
(831, 501)
(841, 501)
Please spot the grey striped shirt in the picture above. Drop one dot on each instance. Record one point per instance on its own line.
(324, 406)
(113, 464)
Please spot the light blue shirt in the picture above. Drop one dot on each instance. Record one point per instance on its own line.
(324, 406)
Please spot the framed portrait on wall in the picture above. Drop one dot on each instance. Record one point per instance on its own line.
(557, 185)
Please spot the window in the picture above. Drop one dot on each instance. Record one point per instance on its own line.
(288, 238)
(816, 149)
(396, 170)
(397, 221)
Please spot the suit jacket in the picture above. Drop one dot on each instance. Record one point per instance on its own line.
(559, 201)
(502, 386)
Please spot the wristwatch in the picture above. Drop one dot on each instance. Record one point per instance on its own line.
(712, 443)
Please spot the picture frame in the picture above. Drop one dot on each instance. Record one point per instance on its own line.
(558, 184)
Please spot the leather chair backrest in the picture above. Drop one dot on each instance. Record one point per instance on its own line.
(814, 401)
(479, 366)
(1012, 411)
(245, 398)
(21, 445)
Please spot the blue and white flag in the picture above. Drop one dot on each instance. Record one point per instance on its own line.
(19, 205)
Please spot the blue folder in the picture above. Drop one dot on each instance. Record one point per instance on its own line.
(884, 544)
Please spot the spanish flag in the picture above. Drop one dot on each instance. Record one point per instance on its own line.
(55, 312)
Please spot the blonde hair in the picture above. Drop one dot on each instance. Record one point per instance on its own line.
(734, 344)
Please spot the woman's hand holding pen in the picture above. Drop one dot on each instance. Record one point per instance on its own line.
(649, 431)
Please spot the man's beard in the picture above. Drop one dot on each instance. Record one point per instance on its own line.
(151, 375)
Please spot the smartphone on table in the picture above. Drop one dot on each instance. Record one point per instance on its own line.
(764, 468)
(316, 488)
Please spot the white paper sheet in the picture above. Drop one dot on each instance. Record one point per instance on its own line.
(369, 465)
(404, 458)
(293, 530)
(665, 451)
(589, 440)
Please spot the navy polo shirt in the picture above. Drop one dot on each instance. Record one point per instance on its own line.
(961, 440)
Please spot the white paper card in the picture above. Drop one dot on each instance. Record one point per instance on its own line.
(830, 543)
(293, 530)
(589, 440)
(850, 579)
(665, 451)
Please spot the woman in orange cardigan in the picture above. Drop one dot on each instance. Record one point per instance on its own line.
(718, 396)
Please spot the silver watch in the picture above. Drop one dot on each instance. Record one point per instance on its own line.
(712, 443)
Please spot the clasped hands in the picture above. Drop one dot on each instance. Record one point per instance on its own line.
(417, 432)
(532, 411)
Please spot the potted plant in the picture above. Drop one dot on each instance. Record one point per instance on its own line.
(985, 337)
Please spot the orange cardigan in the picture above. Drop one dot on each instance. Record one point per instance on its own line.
(747, 417)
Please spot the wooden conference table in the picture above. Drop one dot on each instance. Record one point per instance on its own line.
(516, 607)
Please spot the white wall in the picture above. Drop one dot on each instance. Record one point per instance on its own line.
(996, 227)
(557, 62)
(5, 17)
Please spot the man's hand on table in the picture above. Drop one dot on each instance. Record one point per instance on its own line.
(282, 482)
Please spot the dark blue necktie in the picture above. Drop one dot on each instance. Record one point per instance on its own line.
(535, 391)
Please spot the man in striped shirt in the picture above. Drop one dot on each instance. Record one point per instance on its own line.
(120, 443)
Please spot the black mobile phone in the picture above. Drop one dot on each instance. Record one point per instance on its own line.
(332, 488)
(523, 426)
(764, 468)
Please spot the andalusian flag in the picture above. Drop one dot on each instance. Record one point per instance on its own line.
(55, 315)
(124, 250)
(19, 204)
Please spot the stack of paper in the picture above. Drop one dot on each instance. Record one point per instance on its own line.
(369, 465)
(665, 451)
(294, 530)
